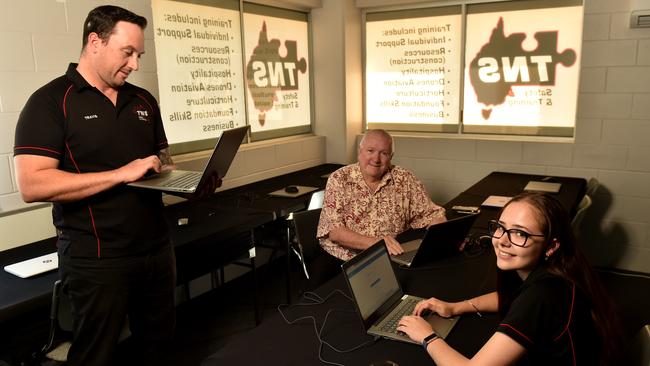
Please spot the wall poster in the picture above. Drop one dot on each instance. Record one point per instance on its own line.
(277, 76)
(412, 77)
(199, 63)
(522, 76)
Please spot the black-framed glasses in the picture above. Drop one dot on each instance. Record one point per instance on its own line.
(516, 236)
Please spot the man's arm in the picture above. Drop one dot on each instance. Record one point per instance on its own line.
(351, 239)
(40, 179)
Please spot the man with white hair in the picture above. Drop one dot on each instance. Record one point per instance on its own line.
(373, 200)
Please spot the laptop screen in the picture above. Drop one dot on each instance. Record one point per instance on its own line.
(372, 279)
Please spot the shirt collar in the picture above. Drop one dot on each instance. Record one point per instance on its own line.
(80, 83)
(76, 78)
(385, 179)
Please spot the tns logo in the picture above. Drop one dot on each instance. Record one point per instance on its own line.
(502, 63)
(141, 112)
(267, 72)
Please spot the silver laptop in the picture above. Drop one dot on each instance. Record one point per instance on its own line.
(32, 267)
(379, 298)
(441, 240)
(184, 181)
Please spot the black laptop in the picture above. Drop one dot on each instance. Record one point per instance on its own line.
(440, 241)
(379, 298)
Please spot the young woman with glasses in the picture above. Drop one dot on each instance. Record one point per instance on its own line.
(553, 309)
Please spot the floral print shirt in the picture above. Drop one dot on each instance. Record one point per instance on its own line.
(400, 202)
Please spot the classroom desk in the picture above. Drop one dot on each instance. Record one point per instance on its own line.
(220, 230)
(213, 238)
(453, 279)
(278, 343)
(256, 195)
(511, 184)
(18, 295)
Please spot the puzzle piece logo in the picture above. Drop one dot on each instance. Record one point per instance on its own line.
(502, 63)
(267, 72)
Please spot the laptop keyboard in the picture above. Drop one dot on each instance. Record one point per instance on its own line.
(408, 256)
(404, 308)
(185, 181)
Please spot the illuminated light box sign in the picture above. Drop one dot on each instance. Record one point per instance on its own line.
(522, 76)
(199, 63)
(413, 69)
(277, 77)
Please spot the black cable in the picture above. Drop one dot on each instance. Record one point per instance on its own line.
(318, 300)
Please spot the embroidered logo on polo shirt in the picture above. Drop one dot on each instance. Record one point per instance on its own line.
(90, 116)
(142, 112)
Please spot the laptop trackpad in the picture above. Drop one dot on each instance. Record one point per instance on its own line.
(442, 326)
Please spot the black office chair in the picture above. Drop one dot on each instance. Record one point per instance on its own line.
(317, 265)
(60, 336)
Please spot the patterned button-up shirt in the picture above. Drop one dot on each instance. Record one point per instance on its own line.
(400, 202)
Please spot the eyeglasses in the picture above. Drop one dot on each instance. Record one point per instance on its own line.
(517, 237)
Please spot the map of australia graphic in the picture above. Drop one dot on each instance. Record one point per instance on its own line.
(509, 49)
(266, 55)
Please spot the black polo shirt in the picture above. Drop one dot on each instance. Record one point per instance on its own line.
(70, 120)
(551, 318)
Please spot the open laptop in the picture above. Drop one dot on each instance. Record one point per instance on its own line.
(34, 266)
(184, 181)
(440, 241)
(379, 298)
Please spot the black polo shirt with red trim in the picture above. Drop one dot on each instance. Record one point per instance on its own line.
(70, 120)
(551, 318)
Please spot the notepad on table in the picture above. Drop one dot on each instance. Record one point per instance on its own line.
(496, 201)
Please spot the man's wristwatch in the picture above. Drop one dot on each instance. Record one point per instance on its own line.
(428, 339)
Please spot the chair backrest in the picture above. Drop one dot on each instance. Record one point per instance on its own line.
(592, 187)
(585, 203)
(316, 200)
(306, 225)
(639, 353)
(61, 310)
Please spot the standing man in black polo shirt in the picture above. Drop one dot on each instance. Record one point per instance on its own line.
(79, 139)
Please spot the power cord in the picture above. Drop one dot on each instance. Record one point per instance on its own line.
(318, 300)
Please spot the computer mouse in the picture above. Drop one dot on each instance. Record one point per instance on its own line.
(291, 189)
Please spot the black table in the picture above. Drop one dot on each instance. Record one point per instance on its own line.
(466, 275)
(256, 196)
(219, 231)
(278, 343)
(509, 185)
(212, 238)
(18, 295)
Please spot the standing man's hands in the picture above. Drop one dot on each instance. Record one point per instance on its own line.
(138, 168)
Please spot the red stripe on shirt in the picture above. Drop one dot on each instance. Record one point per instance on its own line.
(36, 148)
(516, 331)
(146, 101)
(566, 327)
(65, 97)
(90, 210)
